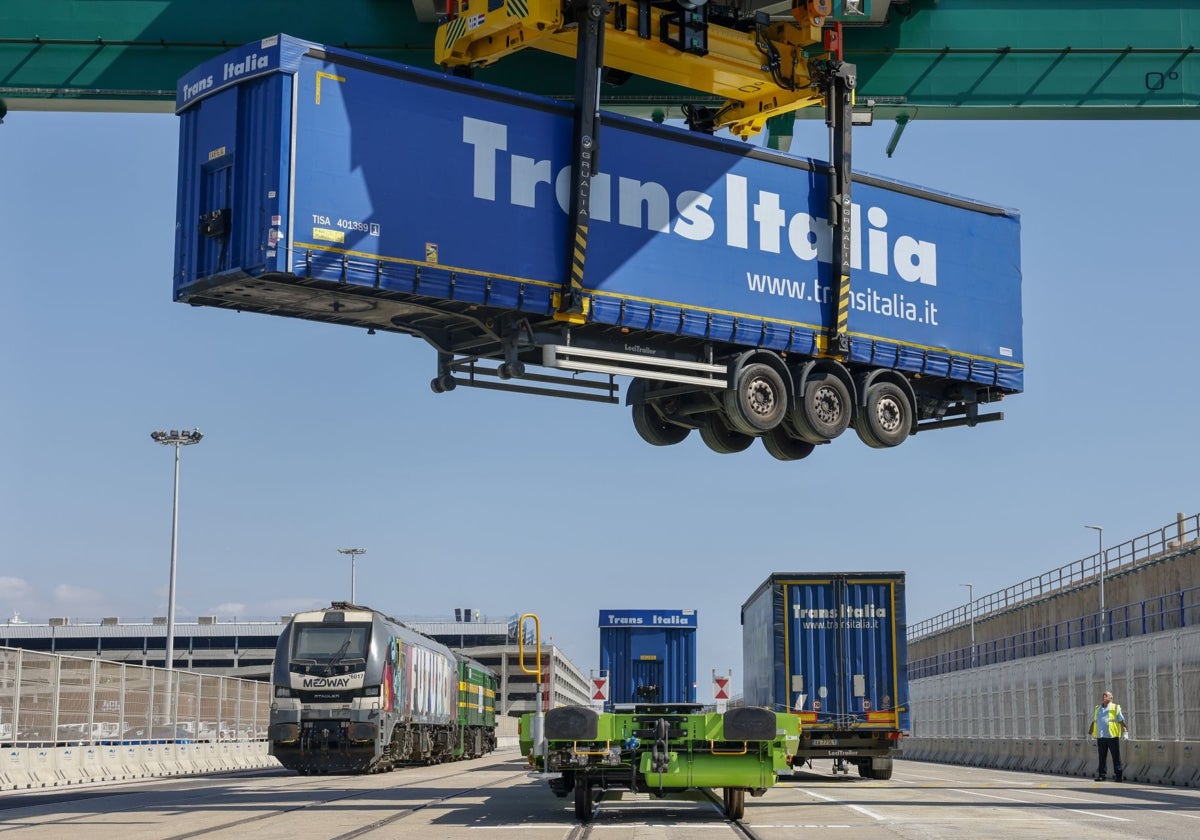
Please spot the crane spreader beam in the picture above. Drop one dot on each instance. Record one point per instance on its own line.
(758, 65)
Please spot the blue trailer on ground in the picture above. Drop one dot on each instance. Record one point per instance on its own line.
(649, 656)
(831, 648)
(320, 184)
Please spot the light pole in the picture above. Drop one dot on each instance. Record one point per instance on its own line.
(1099, 529)
(971, 616)
(353, 552)
(176, 439)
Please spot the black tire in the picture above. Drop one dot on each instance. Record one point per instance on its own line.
(863, 432)
(885, 416)
(864, 769)
(758, 400)
(824, 410)
(783, 446)
(718, 437)
(655, 430)
(735, 802)
(509, 371)
(883, 773)
(443, 384)
(585, 806)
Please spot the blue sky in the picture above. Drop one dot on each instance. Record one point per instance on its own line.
(319, 437)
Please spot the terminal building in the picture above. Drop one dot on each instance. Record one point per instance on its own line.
(246, 649)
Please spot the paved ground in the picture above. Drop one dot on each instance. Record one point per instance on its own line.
(497, 799)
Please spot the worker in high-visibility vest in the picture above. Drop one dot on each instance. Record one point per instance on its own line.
(1108, 724)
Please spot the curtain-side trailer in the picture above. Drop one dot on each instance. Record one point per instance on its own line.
(320, 184)
(831, 648)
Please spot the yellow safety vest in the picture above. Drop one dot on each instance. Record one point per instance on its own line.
(1114, 725)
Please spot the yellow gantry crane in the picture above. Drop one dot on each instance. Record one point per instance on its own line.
(762, 66)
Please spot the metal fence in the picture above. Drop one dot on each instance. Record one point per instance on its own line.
(1183, 530)
(1152, 615)
(53, 700)
(1155, 678)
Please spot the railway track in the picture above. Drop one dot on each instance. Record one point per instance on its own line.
(184, 800)
(612, 813)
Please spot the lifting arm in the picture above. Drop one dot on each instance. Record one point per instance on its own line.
(838, 79)
(585, 148)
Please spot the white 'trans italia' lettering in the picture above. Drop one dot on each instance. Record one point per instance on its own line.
(840, 611)
(767, 225)
(487, 138)
(249, 64)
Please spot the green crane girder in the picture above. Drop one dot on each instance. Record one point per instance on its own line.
(927, 59)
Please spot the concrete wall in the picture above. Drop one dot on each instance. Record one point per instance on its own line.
(1069, 617)
(1033, 713)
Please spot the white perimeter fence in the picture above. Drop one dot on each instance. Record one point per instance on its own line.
(66, 720)
(1033, 713)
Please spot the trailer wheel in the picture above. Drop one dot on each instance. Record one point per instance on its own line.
(758, 400)
(443, 384)
(824, 409)
(655, 430)
(864, 769)
(718, 437)
(885, 416)
(735, 802)
(882, 773)
(508, 371)
(783, 446)
(585, 806)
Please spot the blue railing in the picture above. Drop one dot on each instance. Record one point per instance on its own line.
(1141, 618)
(1167, 539)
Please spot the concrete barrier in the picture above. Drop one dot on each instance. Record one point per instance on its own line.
(1029, 756)
(193, 758)
(111, 767)
(1158, 763)
(1044, 758)
(205, 756)
(170, 759)
(68, 765)
(89, 761)
(33, 767)
(133, 758)
(241, 755)
(1082, 759)
(1150, 762)
(1189, 762)
(39, 761)
(151, 760)
(14, 773)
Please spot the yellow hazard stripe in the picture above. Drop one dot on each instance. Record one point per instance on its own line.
(577, 260)
(843, 310)
(455, 29)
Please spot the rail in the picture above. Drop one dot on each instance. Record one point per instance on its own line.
(1139, 618)
(1171, 537)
